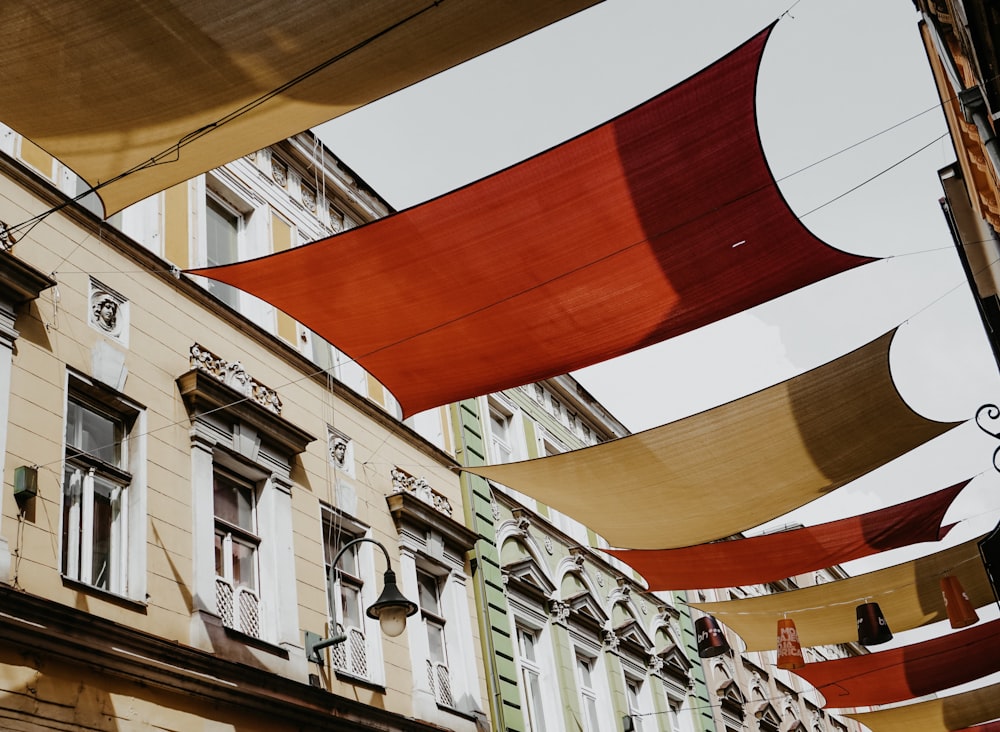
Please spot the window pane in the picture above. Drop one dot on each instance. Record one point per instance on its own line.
(93, 433)
(244, 571)
(350, 607)
(222, 231)
(428, 593)
(71, 528)
(435, 642)
(527, 644)
(220, 554)
(535, 702)
(233, 502)
(106, 511)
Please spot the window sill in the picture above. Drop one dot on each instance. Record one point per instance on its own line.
(113, 597)
(257, 643)
(456, 712)
(349, 678)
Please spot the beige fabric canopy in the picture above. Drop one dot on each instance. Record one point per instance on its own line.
(734, 467)
(909, 595)
(937, 715)
(106, 86)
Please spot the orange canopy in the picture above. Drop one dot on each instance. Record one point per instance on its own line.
(108, 86)
(762, 559)
(908, 672)
(658, 222)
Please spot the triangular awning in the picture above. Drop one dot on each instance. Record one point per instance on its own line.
(107, 86)
(768, 558)
(658, 222)
(909, 595)
(908, 672)
(938, 715)
(736, 466)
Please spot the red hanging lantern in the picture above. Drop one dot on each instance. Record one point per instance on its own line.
(961, 614)
(789, 649)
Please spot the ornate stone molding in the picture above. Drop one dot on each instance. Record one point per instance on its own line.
(523, 520)
(403, 482)
(558, 610)
(578, 554)
(232, 374)
(611, 641)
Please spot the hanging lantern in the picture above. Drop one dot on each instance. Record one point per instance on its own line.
(872, 628)
(789, 648)
(960, 611)
(711, 640)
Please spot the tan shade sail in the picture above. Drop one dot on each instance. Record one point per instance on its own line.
(660, 221)
(909, 595)
(107, 86)
(937, 715)
(734, 467)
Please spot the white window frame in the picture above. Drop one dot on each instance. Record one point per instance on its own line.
(435, 622)
(538, 712)
(125, 474)
(360, 655)
(501, 445)
(590, 707)
(635, 697)
(238, 603)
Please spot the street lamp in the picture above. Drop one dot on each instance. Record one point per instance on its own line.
(391, 609)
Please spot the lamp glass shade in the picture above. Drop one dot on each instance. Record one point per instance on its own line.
(961, 614)
(789, 649)
(872, 626)
(392, 608)
(711, 640)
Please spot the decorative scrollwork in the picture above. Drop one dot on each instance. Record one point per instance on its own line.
(990, 412)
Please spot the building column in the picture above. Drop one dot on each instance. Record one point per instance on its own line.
(20, 283)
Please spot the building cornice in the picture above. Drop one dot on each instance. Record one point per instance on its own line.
(33, 625)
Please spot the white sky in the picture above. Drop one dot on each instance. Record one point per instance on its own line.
(833, 74)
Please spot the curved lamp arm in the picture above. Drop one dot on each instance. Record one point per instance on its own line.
(391, 608)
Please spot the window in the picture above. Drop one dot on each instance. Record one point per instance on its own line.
(588, 697)
(632, 689)
(344, 588)
(236, 545)
(432, 616)
(222, 230)
(527, 645)
(98, 501)
(500, 436)
(680, 716)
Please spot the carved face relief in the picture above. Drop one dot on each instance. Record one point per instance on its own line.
(108, 311)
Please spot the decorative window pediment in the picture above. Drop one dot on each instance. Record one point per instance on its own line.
(767, 717)
(224, 388)
(410, 512)
(528, 572)
(632, 635)
(675, 662)
(585, 609)
(731, 698)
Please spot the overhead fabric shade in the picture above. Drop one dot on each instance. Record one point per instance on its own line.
(907, 672)
(105, 86)
(762, 559)
(658, 222)
(938, 715)
(909, 595)
(736, 466)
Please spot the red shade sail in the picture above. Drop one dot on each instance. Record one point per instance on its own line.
(772, 557)
(658, 222)
(908, 672)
